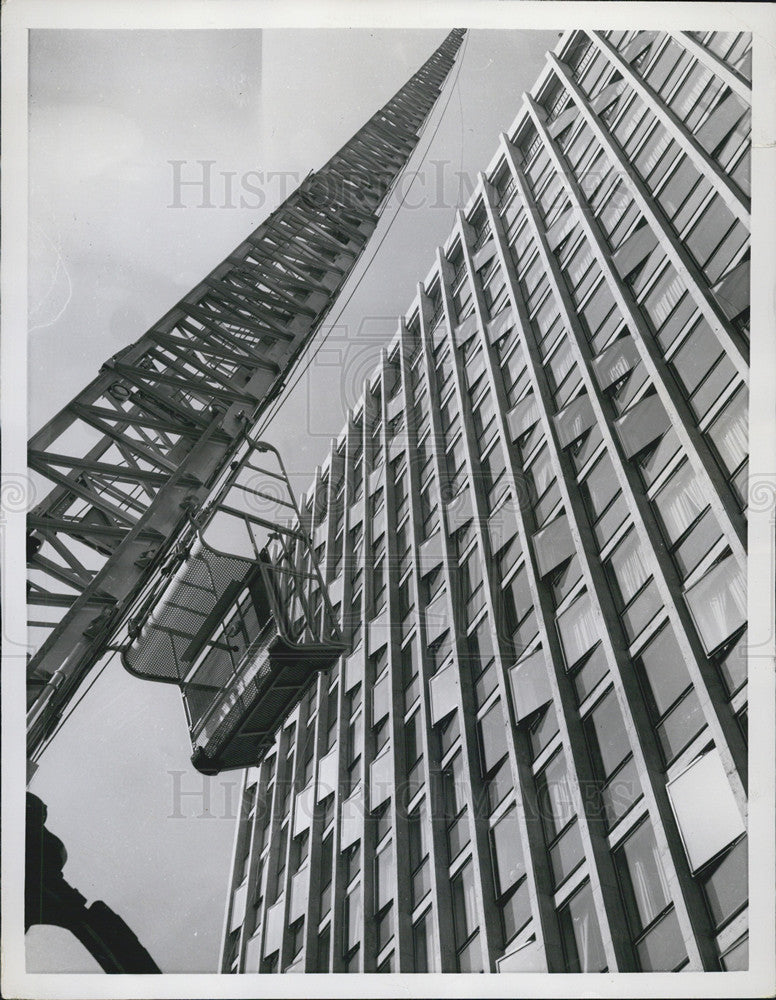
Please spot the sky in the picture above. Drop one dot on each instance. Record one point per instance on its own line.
(113, 244)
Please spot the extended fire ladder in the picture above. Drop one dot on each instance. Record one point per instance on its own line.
(143, 446)
(165, 523)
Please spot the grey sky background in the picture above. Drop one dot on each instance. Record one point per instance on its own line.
(108, 256)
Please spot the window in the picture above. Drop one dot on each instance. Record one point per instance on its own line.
(661, 302)
(671, 698)
(355, 738)
(384, 869)
(717, 603)
(731, 663)
(657, 937)
(558, 812)
(601, 317)
(326, 874)
(564, 376)
(296, 937)
(323, 959)
(578, 629)
(688, 524)
(449, 732)
(698, 355)
(651, 463)
(413, 749)
(299, 850)
(581, 933)
(612, 758)
(465, 921)
(352, 920)
(706, 810)
(509, 874)
(424, 946)
(493, 739)
(472, 588)
(482, 661)
(519, 619)
(493, 474)
(633, 586)
(736, 958)
(420, 867)
(410, 674)
(543, 729)
(603, 498)
(454, 784)
(729, 434)
(715, 239)
(564, 579)
(725, 884)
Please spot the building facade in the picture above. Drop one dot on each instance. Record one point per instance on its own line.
(533, 531)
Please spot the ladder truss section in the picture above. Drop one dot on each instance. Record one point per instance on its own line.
(145, 440)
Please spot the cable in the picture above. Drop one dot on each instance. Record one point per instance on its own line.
(72, 707)
(288, 389)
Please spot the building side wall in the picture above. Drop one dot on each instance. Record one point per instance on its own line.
(533, 528)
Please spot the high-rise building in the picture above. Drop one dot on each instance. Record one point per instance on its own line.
(533, 532)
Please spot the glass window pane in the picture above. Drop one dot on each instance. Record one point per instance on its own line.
(470, 958)
(458, 836)
(543, 730)
(555, 798)
(464, 904)
(591, 672)
(704, 535)
(628, 564)
(578, 629)
(726, 884)
(664, 670)
(516, 911)
(384, 869)
(424, 944)
(643, 877)
(385, 929)
(566, 854)
(652, 463)
(500, 785)
(662, 949)
(706, 811)
(486, 684)
(662, 300)
(581, 933)
(621, 792)
(681, 725)
(696, 356)
(353, 918)
(493, 737)
(642, 610)
(605, 731)
(507, 851)
(421, 883)
(732, 664)
(718, 603)
(680, 502)
(601, 486)
(737, 958)
(729, 432)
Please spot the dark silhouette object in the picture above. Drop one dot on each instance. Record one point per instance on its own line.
(49, 899)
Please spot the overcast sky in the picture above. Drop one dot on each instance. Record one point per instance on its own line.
(109, 111)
